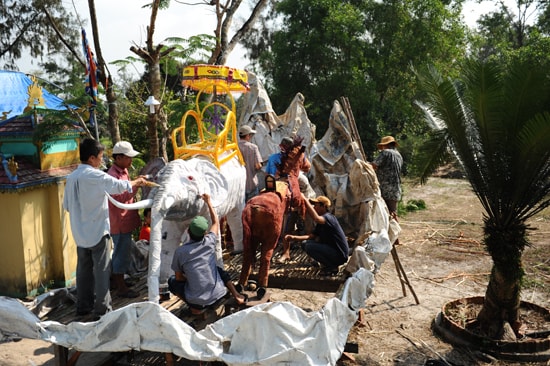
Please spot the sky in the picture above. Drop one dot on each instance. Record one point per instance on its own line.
(122, 23)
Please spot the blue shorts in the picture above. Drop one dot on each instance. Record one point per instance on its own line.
(121, 254)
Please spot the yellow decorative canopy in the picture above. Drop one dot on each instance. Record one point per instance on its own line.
(215, 79)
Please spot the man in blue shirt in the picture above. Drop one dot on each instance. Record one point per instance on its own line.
(327, 244)
(198, 280)
(274, 160)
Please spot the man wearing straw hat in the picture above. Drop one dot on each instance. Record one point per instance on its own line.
(388, 170)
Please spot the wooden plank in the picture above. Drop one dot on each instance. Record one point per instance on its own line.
(296, 274)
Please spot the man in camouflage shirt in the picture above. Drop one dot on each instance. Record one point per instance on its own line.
(388, 170)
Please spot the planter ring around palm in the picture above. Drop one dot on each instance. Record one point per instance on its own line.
(532, 348)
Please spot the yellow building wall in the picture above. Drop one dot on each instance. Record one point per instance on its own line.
(12, 260)
(60, 159)
(62, 237)
(41, 253)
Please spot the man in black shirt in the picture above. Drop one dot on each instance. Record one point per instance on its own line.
(327, 244)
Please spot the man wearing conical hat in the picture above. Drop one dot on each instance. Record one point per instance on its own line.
(388, 166)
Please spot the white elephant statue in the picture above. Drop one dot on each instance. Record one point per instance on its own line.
(177, 201)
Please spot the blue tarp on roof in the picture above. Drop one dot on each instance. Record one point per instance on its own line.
(14, 97)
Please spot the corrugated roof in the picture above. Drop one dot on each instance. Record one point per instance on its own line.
(29, 176)
(16, 125)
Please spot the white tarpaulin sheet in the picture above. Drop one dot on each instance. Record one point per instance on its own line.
(266, 334)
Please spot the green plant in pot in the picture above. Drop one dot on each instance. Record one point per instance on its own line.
(495, 118)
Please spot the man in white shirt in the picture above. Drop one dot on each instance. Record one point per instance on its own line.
(86, 202)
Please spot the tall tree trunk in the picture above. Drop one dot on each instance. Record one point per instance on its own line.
(154, 85)
(224, 20)
(152, 56)
(502, 298)
(105, 78)
(113, 112)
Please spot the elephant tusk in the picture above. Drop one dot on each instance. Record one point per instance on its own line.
(148, 203)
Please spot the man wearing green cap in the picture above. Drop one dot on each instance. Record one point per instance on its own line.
(198, 280)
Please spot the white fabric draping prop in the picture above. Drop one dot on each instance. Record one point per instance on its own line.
(267, 334)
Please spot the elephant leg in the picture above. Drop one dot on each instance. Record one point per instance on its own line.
(234, 220)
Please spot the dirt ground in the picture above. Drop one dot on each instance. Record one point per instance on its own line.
(443, 257)
(442, 254)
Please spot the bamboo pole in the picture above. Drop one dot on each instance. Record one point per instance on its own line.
(355, 133)
(398, 266)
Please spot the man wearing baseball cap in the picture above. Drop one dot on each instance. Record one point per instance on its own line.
(123, 222)
(252, 160)
(327, 244)
(197, 278)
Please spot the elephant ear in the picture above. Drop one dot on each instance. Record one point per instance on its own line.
(151, 170)
(211, 181)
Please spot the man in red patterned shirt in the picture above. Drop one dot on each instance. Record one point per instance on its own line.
(123, 222)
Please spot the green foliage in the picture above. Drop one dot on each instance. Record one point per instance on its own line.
(137, 164)
(410, 206)
(52, 124)
(495, 33)
(506, 32)
(363, 50)
(26, 27)
(496, 119)
(193, 50)
(415, 205)
(163, 4)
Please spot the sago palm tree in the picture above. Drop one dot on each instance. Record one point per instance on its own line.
(495, 119)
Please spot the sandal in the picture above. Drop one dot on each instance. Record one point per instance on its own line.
(251, 285)
(245, 301)
(283, 260)
(239, 288)
(260, 292)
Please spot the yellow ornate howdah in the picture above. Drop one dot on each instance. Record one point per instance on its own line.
(216, 122)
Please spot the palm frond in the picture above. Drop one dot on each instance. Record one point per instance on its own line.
(496, 119)
(533, 158)
(434, 152)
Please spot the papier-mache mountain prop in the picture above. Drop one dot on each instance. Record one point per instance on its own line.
(338, 170)
(257, 112)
